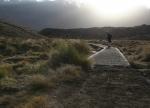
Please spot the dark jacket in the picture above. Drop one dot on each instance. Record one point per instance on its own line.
(109, 37)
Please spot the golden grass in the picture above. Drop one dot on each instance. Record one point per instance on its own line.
(40, 83)
(36, 102)
(69, 73)
(8, 84)
(5, 70)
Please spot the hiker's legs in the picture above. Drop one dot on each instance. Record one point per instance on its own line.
(109, 44)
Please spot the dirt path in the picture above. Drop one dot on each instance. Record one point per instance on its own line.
(106, 87)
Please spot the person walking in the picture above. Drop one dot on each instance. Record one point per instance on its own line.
(109, 39)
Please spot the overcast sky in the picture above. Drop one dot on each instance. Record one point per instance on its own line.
(39, 14)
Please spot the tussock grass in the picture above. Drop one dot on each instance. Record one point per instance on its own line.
(3, 73)
(136, 51)
(36, 68)
(70, 53)
(69, 73)
(37, 102)
(5, 70)
(8, 101)
(81, 47)
(8, 84)
(40, 83)
(66, 73)
(141, 57)
(145, 54)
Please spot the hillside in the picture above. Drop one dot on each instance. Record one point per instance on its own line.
(10, 30)
(135, 33)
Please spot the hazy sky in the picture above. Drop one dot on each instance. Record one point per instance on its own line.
(39, 14)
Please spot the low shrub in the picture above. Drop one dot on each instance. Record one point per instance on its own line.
(8, 101)
(40, 83)
(3, 73)
(139, 65)
(81, 47)
(146, 54)
(68, 54)
(5, 70)
(37, 68)
(10, 50)
(69, 73)
(8, 84)
(36, 102)
(23, 47)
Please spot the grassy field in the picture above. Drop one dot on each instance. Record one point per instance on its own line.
(30, 69)
(55, 73)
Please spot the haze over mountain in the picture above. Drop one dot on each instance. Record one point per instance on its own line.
(65, 14)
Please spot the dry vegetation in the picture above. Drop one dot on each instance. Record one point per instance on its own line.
(53, 73)
(30, 69)
(137, 52)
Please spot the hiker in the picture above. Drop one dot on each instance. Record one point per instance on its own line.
(109, 37)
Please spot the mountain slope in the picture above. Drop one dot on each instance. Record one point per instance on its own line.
(11, 30)
(138, 32)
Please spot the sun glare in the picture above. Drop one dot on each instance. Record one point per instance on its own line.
(113, 9)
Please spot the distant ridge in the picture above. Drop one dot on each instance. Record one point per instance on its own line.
(11, 30)
(135, 33)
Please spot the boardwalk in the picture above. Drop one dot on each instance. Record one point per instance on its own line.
(110, 57)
